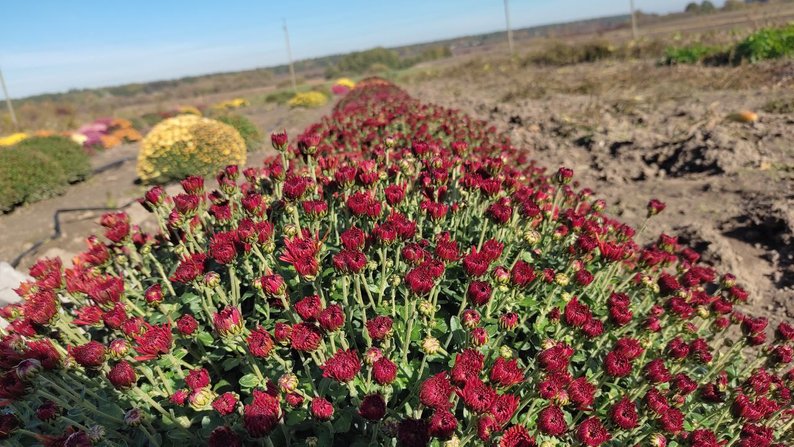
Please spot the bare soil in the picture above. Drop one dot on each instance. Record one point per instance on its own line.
(633, 131)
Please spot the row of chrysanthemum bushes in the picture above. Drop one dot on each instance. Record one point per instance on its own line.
(399, 274)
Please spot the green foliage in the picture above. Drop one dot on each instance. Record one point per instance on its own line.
(768, 43)
(251, 135)
(150, 119)
(279, 97)
(27, 176)
(39, 168)
(690, 54)
(67, 154)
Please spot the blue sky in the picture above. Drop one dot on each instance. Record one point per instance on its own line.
(55, 45)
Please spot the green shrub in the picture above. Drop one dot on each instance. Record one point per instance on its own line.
(67, 154)
(691, 54)
(251, 135)
(768, 43)
(560, 53)
(279, 97)
(27, 176)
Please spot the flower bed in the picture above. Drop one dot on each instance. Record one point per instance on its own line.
(401, 275)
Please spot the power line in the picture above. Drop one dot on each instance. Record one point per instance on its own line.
(8, 102)
(289, 58)
(509, 30)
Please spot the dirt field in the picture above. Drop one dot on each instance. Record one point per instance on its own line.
(635, 130)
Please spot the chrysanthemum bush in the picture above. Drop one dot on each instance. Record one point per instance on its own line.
(400, 275)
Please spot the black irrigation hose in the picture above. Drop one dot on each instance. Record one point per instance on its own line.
(56, 217)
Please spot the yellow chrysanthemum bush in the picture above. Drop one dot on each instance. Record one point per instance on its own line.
(188, 144)
(308, 99)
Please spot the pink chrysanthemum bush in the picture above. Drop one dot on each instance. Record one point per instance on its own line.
(399, 276)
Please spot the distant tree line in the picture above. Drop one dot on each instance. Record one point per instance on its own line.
(707, 6)
(382, 59)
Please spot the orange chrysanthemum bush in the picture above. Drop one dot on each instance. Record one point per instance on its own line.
(400, 276)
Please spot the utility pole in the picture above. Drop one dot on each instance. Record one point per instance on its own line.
(8, 102)
(633, 20)
(509, 30)
(289, 57)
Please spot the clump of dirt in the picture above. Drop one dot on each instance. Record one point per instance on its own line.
(710, 152)
(768, 224)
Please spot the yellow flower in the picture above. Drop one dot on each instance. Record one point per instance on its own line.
(308, 99)
(12, 139)
(345, 82)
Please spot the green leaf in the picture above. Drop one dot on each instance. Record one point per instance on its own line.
(454, 324)
(190, 298)
(342, 423)
(230, 363)
(178, 435)
(249, 381)
(205, 338)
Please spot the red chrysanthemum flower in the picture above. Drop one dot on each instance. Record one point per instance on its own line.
(225, 404)
(503, 407)
(479, 292)
(517, 436)
(373, 407)
(477, 396)
(591, 432)
(506, 372)
(442, 424)
(46, 412)
(582, 393)
(224, 437)
(468, 364)
(332, 318)
(156, 340)
(197, 378)
(228, 321)
(379, 327)
(576, 314)
(342, 366)
(616, 365)
(384, 371)
(90, 355)
(321, 409)
(259, 342)
(624, 414)
(122, 375)
(309, 308)
(522, 274)
(305, 337)
(551, 421)
(556, 358)
(261, 416)
(436, 391)
(186, 324)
